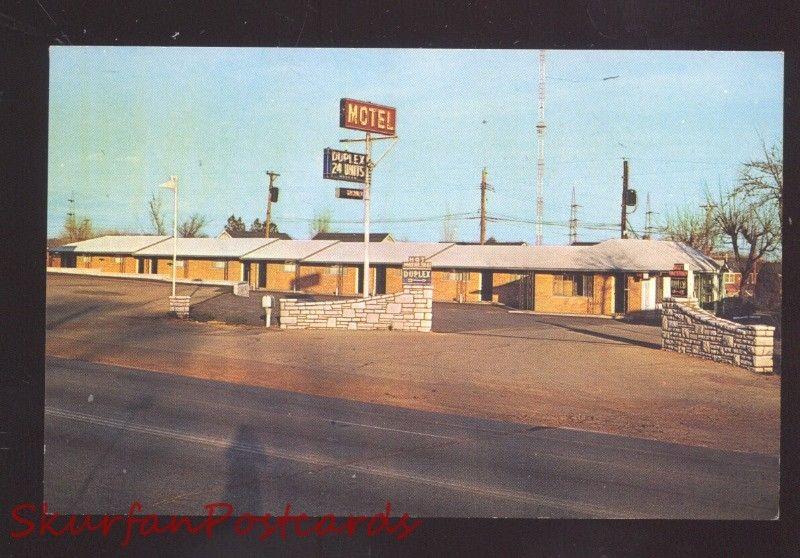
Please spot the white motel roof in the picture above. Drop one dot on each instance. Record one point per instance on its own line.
(111, 244)
(610, 255)
(380, 253)
(289, 250)
(207, 247)
(630, 255)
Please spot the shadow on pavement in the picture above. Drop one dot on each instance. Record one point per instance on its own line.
(243, 486)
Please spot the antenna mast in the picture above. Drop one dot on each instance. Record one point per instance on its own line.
(573, 219)
(540, 127)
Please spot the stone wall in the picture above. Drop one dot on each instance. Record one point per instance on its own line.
(410, 310)
(686, 328)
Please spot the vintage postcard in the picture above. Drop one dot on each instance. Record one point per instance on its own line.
(463, 283)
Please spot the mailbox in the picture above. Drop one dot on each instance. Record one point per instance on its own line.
(266, 304)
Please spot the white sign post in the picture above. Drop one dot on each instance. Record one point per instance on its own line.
(172, 184)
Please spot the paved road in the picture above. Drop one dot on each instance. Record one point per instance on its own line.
(114, 435)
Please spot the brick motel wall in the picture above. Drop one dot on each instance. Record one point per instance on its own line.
(327, 279)
(217, 270)
(452, 286)
(108, 263)
(600, 303)
(685, 328)
(411, 310)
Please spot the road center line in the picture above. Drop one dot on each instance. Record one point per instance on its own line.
(514, 495)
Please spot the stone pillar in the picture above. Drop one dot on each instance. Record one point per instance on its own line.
(241, 288)
(179, 305)
(422, 306)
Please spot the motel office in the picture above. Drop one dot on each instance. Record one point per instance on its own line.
(611, 277)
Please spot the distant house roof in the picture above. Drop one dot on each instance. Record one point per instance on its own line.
(380, 253)
(493, 242)
(207, 247)
(110, 244)
(289, 250)
(252, 234)
(55, 243)
(353, 237)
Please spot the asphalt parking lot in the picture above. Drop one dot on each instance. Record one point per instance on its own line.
(586, 373)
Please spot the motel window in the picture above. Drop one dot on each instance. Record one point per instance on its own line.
(335, 270)
(117, 260)
(87, 259)
(573, 284)
(219, 265)
(178, 263)
(289, 267)
(459, 276)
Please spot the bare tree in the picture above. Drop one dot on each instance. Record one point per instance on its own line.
(762, 180)
(698, 230)
(156, 215)
(75, 230)
(321, 222)
(192, 227)
(751, 228)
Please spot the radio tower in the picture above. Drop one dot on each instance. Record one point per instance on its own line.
(573, 219)
(540, 127)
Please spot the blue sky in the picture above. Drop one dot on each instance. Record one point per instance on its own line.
(123, 119)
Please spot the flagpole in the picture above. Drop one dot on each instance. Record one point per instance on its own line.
(174, 230)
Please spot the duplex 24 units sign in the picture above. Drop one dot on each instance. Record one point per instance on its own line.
(416, 271)
(343, 165)
(368, 117)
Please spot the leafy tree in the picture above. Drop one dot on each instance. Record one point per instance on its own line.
(192, 227)
(257, 226)
(321, 222)
(234, 225)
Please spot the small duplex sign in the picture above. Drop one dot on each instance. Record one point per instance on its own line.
(367, 117)
(344, 165)
(417, 271)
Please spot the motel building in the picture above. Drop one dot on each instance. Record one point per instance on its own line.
(618, 276)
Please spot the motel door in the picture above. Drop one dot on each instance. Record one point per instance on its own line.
(620, 293)
(649, 293)
(487, 285)
(525, 294)
(380, 279)
(262, 275)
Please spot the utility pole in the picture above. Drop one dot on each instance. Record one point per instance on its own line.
(624, 220)
(573, 219)
(272, 176)
(484, 188)
(540, 128)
